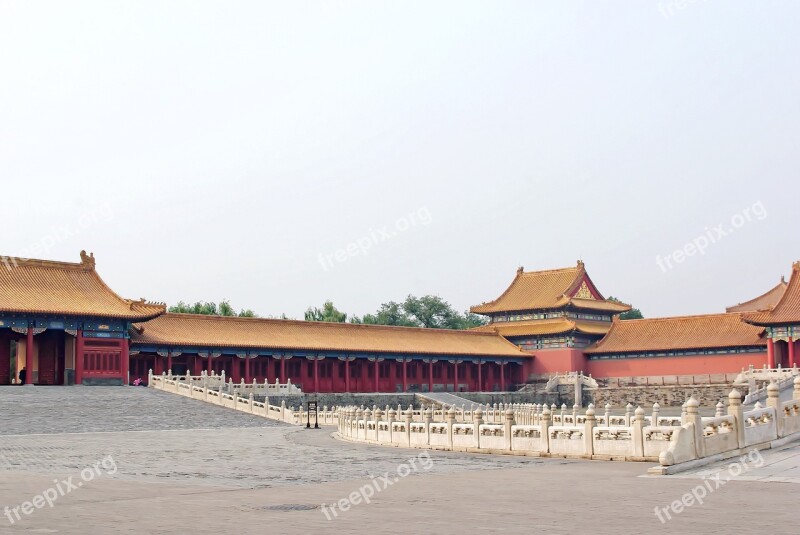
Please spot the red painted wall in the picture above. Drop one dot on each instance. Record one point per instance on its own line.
(685, 365)
(550, 361)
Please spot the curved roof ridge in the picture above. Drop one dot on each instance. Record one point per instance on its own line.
(722, 329)
(775, 314)
(521, 275)
(766, 296)
(198, 330)
(281, 321)
(35, 286)
(87, 263)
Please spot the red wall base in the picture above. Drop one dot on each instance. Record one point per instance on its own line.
(685, 365)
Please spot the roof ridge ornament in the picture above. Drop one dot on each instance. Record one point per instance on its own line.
(87, 260)
(580, 264)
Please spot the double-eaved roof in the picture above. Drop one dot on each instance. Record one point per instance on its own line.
(710, 331)
(65, 289)
(551, 289)
(786, 311)
(192, 330)
(552, 326)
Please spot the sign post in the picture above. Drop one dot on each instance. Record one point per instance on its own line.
(312, 406)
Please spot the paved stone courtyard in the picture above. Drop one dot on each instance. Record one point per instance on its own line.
(161, 463)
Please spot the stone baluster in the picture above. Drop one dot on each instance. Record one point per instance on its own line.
(774, 402)
(450, 419)
(409, 417)
(638, 433)
(509, 422)
(607, 414)
(628, 413)
(544, 427)
(588, 431)
(477, 421)
(720, 409)
(378, 415)
(391, 415)
(654, 417)
(683, 413)
(427, 417)
(736, 410)
(367, 420)
(693, 417)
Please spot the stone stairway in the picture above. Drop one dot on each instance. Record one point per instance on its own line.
(447, 399)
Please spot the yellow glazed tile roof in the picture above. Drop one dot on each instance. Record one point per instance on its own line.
(217, 331)
(549, 289)
(762, 302)
(682, 332)
(64, 288)
(544, 327)
(787, 310)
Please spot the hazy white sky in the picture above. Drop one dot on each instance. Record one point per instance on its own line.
(210, 150)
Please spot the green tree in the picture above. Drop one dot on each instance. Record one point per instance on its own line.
(432, 312)
(210, 308)
(328, 312)
(632, 314)
(428, 311)
(390, 313)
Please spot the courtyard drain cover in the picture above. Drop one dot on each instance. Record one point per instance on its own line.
(292, 507)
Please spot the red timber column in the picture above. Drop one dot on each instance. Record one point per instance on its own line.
(29, 357)
(236, 369)
(283, 369)
(455, 376)
(430, 375)
(502, 376)
(247, 372)
(347, 374)
(479, 364)
(377, 375)
(405, 375)
(125, 363)
(169, 362)
(316, 374)
(209, 364)
(791, 353)
(770, 353)
(79, 357)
